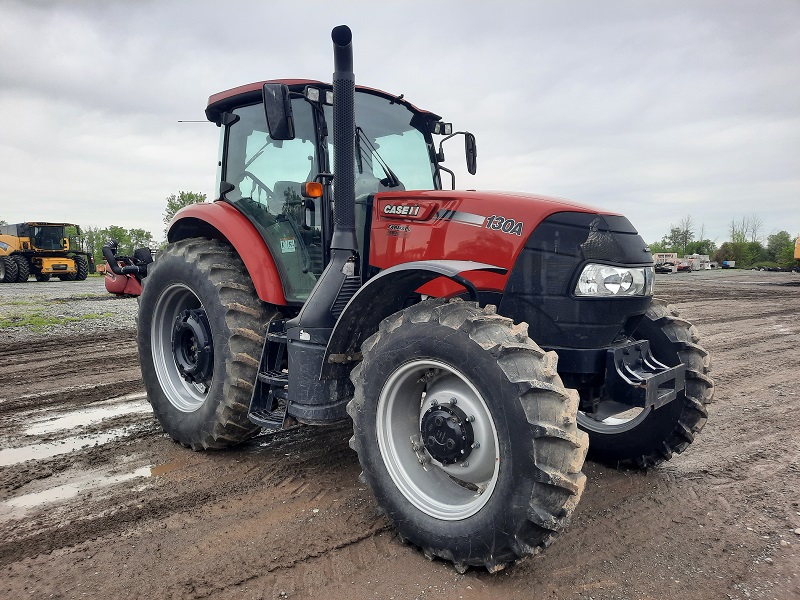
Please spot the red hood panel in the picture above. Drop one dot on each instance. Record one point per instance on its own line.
(489, 227)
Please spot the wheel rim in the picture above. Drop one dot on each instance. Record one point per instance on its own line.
(182, 393)
(618, 423)
(449, 492)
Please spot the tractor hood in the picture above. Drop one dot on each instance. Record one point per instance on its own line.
(478, 206)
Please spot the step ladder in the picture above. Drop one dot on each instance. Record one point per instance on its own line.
(268, 403)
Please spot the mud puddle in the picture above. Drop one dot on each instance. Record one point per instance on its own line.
(13, 456)
(96, 413)
(62, 432)
(18, 507)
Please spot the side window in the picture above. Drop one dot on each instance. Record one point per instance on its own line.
(267, 176)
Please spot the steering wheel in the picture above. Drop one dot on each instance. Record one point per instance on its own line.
(260, 184)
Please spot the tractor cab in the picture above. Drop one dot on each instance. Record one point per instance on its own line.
(265, 166)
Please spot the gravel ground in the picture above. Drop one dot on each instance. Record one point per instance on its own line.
(61, 308)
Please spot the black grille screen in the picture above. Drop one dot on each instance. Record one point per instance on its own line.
(540, 288)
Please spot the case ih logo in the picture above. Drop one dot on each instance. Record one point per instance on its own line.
(411, 210)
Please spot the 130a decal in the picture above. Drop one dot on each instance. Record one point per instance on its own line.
(505, 225)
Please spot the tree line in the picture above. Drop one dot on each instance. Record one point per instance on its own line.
(746, 244)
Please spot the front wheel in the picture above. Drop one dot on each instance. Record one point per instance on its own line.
(645, 437)
(201, 329)
(465, 433)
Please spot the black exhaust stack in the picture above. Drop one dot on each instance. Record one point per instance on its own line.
(312, 400)
(344, 134)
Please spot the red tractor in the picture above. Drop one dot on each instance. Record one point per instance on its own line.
(480, 342)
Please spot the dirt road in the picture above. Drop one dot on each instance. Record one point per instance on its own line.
(95, 502)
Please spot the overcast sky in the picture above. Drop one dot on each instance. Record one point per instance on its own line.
(656, 110)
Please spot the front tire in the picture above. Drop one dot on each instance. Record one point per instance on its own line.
(200, 333)
(645, 437)
(465, 433)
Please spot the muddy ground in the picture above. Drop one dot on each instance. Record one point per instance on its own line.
(95, 501)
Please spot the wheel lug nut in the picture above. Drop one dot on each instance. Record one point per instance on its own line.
(470, 418)
(476, 444)
(453, 401)
(465, 463)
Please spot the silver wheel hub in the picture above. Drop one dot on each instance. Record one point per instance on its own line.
(438, 439)
(187, 394)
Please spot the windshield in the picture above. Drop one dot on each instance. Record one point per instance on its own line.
(387, 137)
(48, 238)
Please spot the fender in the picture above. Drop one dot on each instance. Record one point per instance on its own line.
(219, 220)
(383, 295)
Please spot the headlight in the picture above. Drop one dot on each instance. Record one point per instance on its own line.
(605, 280)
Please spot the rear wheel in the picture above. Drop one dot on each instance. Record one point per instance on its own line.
(81, 267)
(23, 269)
(8, 269)
(646, 437)
(465, 433)
(200, 333)
(42, 277)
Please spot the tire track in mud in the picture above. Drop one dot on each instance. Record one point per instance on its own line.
(68, 370)
(118, 515)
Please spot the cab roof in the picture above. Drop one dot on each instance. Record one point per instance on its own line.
(252, 93)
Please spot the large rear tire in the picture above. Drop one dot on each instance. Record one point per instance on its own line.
(200, 333)
(8, 269)
(465, 433)
(645, 437)
(23, 268)
(81, 267)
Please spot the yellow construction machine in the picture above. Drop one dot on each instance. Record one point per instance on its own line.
(42, 250)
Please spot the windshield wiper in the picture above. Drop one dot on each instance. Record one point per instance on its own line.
(391, 179)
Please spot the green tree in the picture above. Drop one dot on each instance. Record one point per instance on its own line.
(140, 238)
(659, 247)
(780, 248)
(121, 235)
(175, 202)
(701, 247)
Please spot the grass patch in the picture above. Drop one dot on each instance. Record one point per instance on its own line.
(38, 321)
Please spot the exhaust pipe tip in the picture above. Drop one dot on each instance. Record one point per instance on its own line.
(341, 35)
(342, 49)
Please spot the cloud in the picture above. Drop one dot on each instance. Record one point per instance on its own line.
(654, 110)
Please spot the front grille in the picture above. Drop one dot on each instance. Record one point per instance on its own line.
(540, 288)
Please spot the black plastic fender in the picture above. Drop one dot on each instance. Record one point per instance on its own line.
(384, 295)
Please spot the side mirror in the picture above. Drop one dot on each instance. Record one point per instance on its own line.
(471, 148)
(278, 108)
